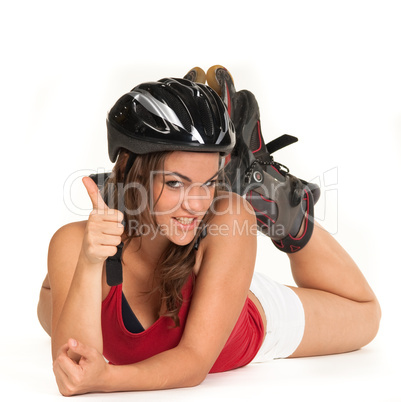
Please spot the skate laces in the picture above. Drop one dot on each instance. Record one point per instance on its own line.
(279, 166)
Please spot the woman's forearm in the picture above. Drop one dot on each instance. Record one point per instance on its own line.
(80, 316)
(176, 368)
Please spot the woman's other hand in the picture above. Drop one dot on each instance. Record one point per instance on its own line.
(89, 374)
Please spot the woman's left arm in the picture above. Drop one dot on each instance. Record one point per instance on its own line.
(221, 289)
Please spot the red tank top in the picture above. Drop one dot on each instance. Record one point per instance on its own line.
(123, 347)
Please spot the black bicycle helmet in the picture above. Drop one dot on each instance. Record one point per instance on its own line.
(170, 114)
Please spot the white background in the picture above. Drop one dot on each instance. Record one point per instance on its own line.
(327, 72)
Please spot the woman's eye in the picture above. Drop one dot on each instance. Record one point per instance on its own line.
(210, 183)
(175, 183)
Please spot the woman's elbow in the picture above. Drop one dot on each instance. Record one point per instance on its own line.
(196, 379)
(377, 314)
(198, 370)
(373, 323)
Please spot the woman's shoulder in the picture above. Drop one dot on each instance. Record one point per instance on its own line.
(66, 242)
(233, 217)
(229, 206)
(70, 231)
(232, 231)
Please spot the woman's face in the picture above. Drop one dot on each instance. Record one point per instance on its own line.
(186, 187)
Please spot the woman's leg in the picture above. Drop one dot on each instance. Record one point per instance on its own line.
(45, 306)
(341, 311)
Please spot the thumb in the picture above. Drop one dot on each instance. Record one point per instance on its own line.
(94, 194)
(79, 348)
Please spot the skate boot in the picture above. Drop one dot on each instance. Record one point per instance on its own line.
(196, 74)
(283, 204)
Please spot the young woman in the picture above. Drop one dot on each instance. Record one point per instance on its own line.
(160, 279)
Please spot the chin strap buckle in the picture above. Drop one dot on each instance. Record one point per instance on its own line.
(114, 268)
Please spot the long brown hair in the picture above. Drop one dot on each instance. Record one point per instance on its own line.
(126, 194)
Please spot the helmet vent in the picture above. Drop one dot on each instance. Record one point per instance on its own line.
(206, 117)
(180, 110)
(146, 116)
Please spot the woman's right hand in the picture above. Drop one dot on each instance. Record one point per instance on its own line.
(104, 228)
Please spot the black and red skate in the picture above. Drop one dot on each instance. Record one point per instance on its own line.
(281, 201)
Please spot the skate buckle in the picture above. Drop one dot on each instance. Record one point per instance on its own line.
(257, 175)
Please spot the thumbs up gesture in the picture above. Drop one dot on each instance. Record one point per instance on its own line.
(104, 228)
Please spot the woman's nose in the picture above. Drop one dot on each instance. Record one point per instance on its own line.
(197, 199)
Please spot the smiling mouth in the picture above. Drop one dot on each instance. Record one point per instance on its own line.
(184, 220)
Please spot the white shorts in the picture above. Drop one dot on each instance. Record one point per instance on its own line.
(285, 318)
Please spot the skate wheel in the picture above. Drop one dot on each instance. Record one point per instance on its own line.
(212, 77)
(196, 74)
